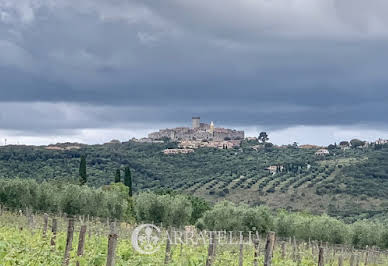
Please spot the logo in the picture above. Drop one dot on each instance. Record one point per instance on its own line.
(146, 238)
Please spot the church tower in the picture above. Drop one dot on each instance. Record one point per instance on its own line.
(211, 130)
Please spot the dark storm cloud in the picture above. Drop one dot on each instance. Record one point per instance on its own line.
(243, 63)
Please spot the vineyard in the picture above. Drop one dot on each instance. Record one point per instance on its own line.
(28, 239)
(312, 210)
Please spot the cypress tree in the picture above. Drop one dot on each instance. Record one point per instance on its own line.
(128, 179)
(82, 171)
(118, 176)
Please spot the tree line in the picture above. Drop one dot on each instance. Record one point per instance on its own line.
(170, 208)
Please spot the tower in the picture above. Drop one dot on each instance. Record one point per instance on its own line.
(211, 130)
(196, 121)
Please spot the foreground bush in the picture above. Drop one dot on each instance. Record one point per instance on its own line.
(230, 217)
(111, 201)
(166, 209)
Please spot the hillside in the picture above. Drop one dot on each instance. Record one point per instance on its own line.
(347, 183)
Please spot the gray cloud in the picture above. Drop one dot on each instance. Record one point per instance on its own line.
(275, 63)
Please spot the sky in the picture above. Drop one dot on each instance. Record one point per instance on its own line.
(310, 71)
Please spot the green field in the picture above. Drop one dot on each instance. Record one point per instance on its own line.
(22, 243)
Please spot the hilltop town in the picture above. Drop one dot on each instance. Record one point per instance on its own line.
(199, 135)
(198, 131)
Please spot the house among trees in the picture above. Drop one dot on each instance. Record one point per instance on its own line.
(381, 141)
(273, 169)
(177, 151)
(322, 152)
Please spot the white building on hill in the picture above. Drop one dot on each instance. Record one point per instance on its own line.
(321, 152)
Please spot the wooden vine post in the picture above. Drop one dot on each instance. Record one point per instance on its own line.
(320, 257)
(313, 249)
(69, 241)
(294, 249)
(366, 256)
(168, 248)
(340, 261)
(112, 243)
(269, 249)
(210, 251)
(352, 260)
(283, 250)
(54, 228)
(241, 257)
(256, 243)
(81, 242)
(357, 260)
(45, 224)
(30, 218)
